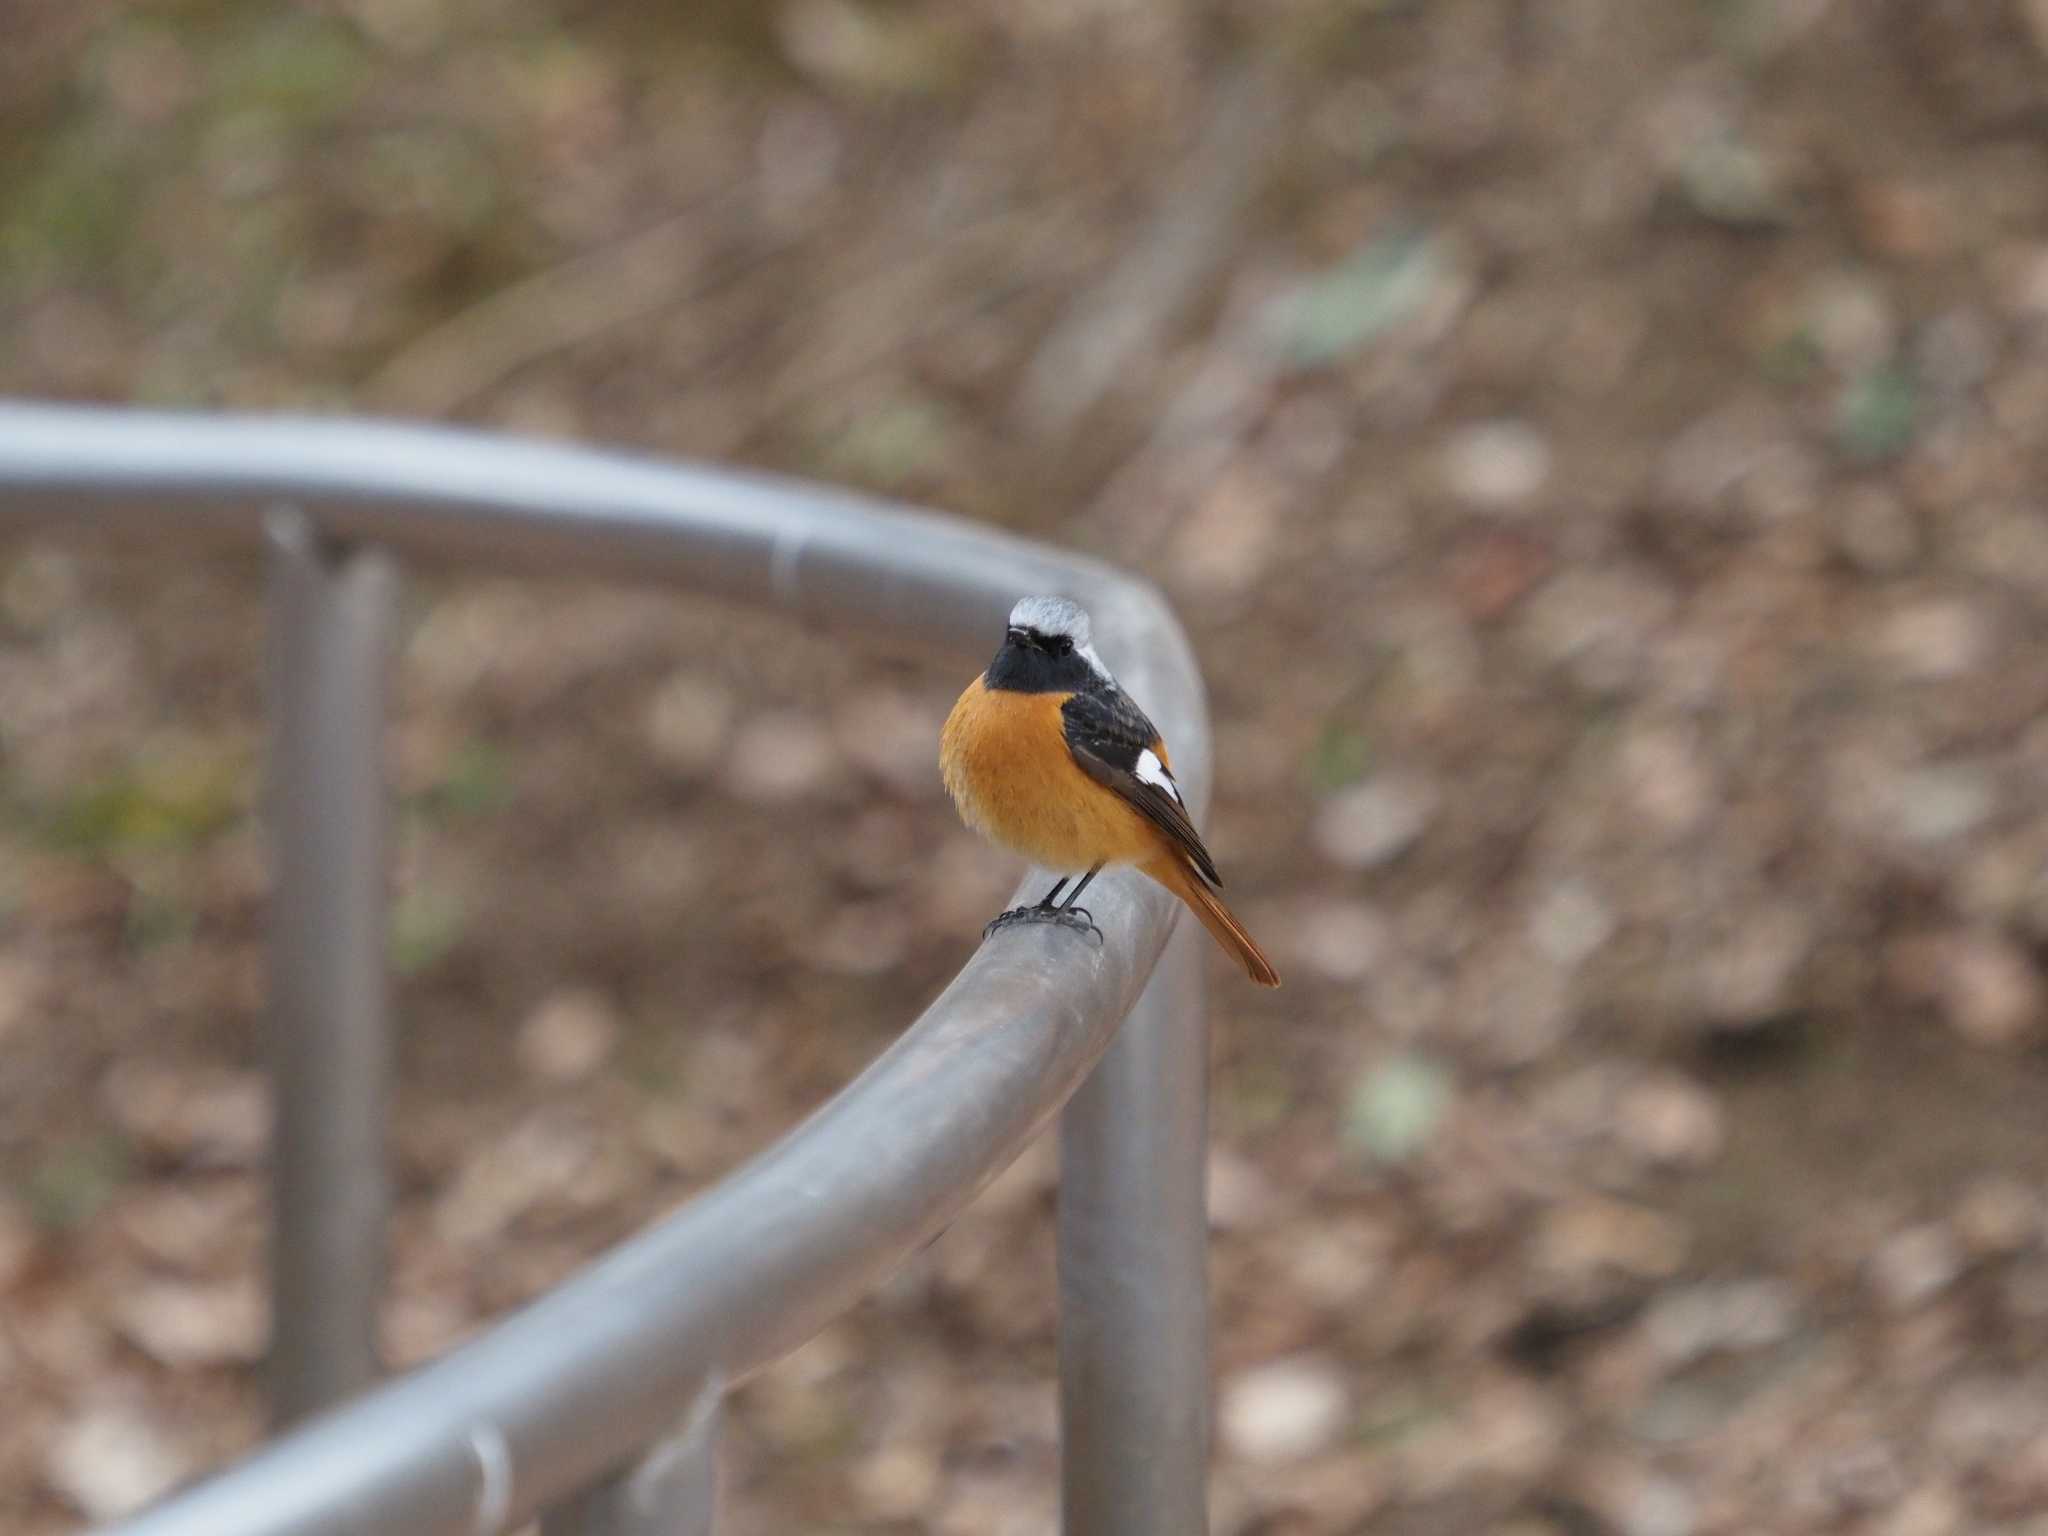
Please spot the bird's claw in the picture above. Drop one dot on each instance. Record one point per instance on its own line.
(1080, 919)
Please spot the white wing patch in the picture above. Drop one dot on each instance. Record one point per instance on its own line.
(1153, 772)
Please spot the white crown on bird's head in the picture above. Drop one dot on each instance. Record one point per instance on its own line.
(1052, 616)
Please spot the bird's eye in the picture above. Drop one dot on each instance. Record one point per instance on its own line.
(1060, 645)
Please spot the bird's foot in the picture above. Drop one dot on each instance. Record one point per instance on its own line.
(1080, 919)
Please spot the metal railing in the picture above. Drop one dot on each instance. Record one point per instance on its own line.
(597, 1406)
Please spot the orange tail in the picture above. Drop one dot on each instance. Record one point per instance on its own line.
(1224, 928)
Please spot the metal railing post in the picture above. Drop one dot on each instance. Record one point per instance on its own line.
(329, 1010)
(671, 1491)
(1133, 1270)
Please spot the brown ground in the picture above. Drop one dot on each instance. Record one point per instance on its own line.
(1595, 446)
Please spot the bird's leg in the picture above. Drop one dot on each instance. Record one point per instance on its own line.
(1066, 914)
(1075, 894)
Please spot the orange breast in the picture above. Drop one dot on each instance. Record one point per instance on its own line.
(1005, 761)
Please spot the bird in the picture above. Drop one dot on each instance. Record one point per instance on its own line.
(1046, 755)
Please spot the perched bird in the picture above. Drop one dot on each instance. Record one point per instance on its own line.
(1047, 756)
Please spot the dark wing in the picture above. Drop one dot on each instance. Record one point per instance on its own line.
(1119, 748)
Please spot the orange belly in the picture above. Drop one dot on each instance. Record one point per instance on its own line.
(1005, 761)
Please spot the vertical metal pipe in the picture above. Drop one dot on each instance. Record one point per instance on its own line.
(671, 1491)
(1133, 1270)
(330, 1025)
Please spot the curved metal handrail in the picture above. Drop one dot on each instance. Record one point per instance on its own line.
(579, 1382)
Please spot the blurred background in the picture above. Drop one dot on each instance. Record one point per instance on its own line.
(1595, 447)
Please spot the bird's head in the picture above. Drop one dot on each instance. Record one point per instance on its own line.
(1048, 647)
(1049, 624)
